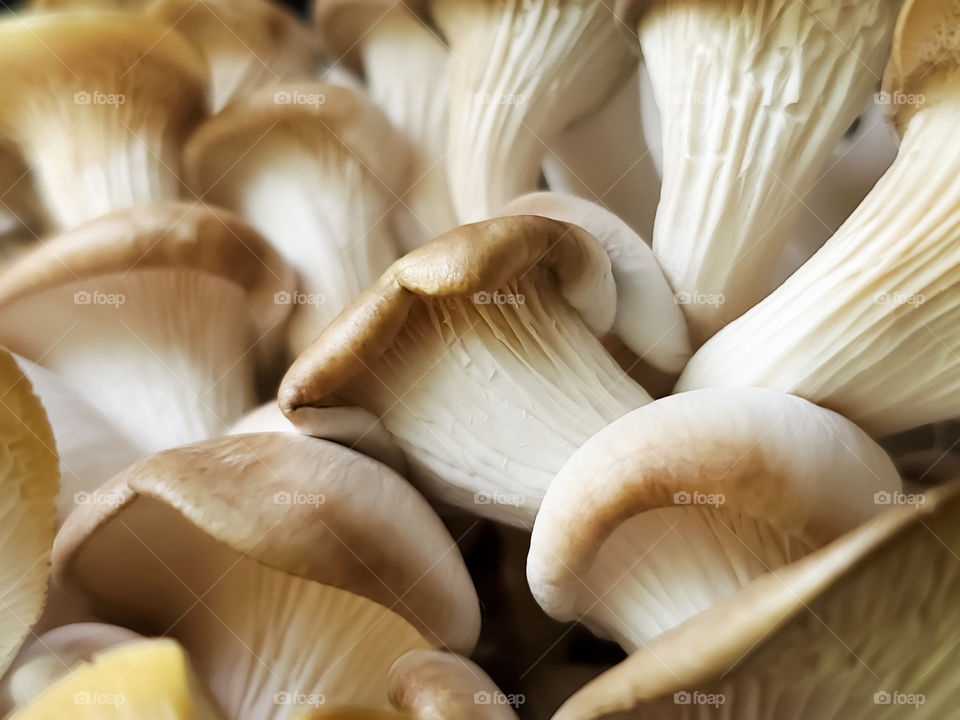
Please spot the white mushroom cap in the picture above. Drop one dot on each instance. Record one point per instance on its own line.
(247, 43)
(317, 567)
(48, 657)
(678, 504)
(431, 684)
(477, 353)
(147, 680)
(29, 477)
(864, 628)
(406, 66)
(648, 320)
(752, 101)
(869, 325)
(153, 314)
(315, 168)
(98, 104)
(520, 74)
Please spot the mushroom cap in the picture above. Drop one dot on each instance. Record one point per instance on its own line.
(342, 117)
(29, 480)
(344, 24)
(437, 684)
(359, 539)
(804, 469)
(925, 53)
(53, 52)
(148, 680)
(834, 615)
(649, 320)
(472, 258)
(159, 236)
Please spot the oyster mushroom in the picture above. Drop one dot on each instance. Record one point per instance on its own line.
(753, 98)
(152, 314)
(814, 639)
(406, 66)
(522, 72)
(147, 680)
(313, 167)
(98, 104)
(29, 477)
(648, 320)
(478, 353)
(246, 43)
(868, 326)
(678, 504)
(303, 567)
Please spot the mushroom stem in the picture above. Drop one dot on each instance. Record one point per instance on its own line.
(753, 98)
(867, 326)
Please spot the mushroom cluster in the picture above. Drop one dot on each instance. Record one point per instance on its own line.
(479, 360)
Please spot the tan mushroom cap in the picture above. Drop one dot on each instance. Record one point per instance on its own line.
(436, 684)
(373, 535)
(805, 470)
(833, 614)
(473, 258)
(925, 54)
(160, 236)
(54, 51)
(325, 113)
(345, 24)
(29, 480)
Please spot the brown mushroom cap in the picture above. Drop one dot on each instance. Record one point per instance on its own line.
(160, 236)
(373, 535)
(472, 258)
(827, 632)
(344, 24)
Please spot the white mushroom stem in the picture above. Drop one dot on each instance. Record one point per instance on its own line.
(331, 222)
(604, 158)
(521, 72)
(869, 325)
(752, 101)
(406, 67)
(167, 353)
(488, 370)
